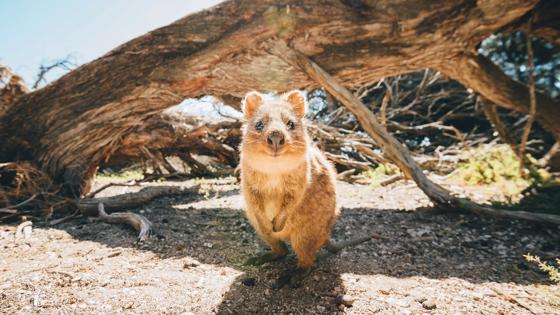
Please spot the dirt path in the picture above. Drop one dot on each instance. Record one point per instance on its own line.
(426, 263)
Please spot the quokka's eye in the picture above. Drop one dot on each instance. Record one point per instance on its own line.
(290, 124)
(259, 125)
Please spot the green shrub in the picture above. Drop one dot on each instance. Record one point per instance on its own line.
(552, 271)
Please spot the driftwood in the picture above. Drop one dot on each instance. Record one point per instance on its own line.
(96, 207)
(392, 148)
(137, 221)
(89, 206)
(74, 124)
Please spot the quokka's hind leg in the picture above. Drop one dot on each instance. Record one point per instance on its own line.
(306, 247)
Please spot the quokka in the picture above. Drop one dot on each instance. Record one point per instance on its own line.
(287, 183)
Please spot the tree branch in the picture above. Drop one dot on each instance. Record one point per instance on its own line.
(487, 79)
(391, 147)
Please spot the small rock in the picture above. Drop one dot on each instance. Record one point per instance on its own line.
(249, 281)
(420, 299)
(477, 297)
(397, 302)
(346, 300)
(429, 304)
(320, 308)
(341, 307)
(188, 265)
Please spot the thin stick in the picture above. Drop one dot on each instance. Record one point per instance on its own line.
(334, 248)
(532, 97)
(28, 200)
(513, 300)
(102, 188)
(492, 115)
(66, 218)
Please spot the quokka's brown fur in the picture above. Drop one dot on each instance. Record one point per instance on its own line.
(287, 183)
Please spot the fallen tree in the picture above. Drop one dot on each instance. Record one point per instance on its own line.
(71, 126)
(180, 135)
(392, 149)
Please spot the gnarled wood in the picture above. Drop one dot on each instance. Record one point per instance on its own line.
(483, 76)
(392, 149)
(69, 127)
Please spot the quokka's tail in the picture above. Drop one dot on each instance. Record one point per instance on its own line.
(335, 247)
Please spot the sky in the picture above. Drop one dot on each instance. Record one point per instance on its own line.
(35, 32)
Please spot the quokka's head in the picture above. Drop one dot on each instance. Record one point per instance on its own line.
(274, 131)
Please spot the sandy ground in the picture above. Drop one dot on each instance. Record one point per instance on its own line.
(424, 262)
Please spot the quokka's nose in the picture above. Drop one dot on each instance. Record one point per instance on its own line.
(275, 139)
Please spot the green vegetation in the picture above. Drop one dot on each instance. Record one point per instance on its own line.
(489, 164)
(550, 292)
(376, 175)
(552, 271)
(131, 174)
(497, 165)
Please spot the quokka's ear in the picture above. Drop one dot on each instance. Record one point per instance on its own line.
(297, 100)
(251, 103)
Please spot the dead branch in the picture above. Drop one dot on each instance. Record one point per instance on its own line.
(64, 219)
(137, 221)
(390, 180)
(102, 188)
(492, 114)
(513, 300)
(64, 64)
(391, 147)
(552, 153)
(532, 97)
(89, 207)
(96, 206)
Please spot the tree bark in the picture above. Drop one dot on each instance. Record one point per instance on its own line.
(395, 151)
(480, 74)
(70, 126)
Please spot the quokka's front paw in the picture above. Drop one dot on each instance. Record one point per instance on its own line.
(292, 278)
(263, 258)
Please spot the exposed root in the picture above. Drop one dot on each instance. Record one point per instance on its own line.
(137, 221)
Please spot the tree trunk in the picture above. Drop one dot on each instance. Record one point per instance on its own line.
(69, 127)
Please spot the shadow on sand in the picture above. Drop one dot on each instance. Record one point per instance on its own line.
(414, 244)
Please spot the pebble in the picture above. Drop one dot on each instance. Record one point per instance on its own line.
(429, 304)
(397, 302)
(320, 308)
(420, 299)
(346, 300)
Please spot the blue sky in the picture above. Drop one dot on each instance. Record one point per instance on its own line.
(37, 32)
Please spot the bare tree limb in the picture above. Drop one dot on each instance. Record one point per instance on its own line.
(532, 97)
(392, 148)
